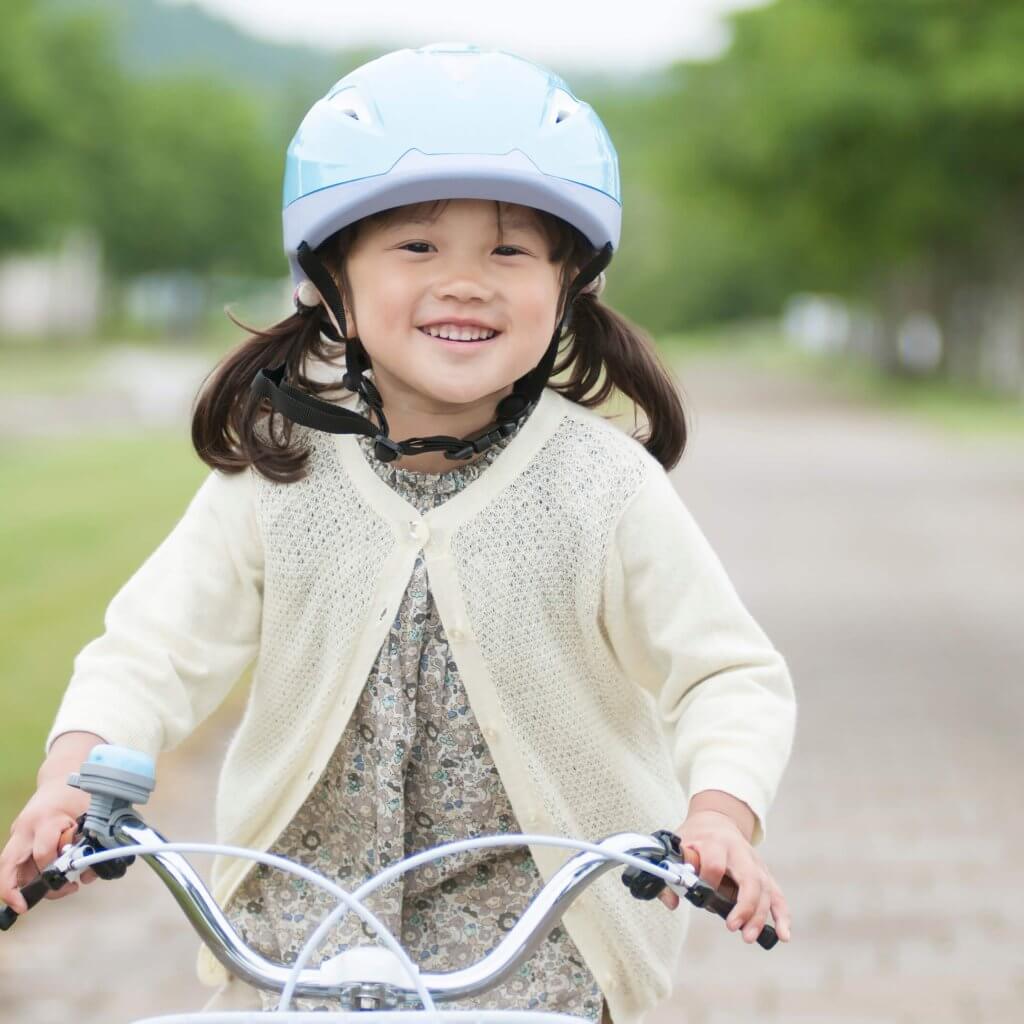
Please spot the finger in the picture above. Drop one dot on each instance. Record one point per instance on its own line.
(16, 853)
(757, 922)
(728, 887)
(692, 856)
(780, 915)
(713, 864)
(87, 876)
(64, 890)
(67, 836)
(45, 842)
(749, 886)
(669, 898)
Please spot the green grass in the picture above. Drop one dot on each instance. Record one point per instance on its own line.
(79, 518)
(959, 411)
(42, 369)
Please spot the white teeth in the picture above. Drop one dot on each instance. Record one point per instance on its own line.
(454, 333)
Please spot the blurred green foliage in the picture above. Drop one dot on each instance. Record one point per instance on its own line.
(831, 147)
(848, 147)
(172, 171)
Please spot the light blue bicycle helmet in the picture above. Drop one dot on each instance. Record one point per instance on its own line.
(445, 121)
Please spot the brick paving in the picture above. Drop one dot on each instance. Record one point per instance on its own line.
(885, 560)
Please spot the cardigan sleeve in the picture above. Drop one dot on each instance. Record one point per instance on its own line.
(679, 629)
(180, 632)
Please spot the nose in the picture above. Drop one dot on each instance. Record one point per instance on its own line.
(464, 283)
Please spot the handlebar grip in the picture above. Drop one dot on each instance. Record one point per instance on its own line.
(702, 895)
(31, 894)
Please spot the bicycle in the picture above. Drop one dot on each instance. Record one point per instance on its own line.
(381, 980)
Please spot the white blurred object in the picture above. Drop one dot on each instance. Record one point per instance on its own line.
(816, 323)
(1001, 363)
(154, 388)
(920, 343)
(55, 293)
(173, 302)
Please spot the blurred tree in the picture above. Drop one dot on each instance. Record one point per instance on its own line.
(873, 132)
(174, 172)
(44, 114)
(867, 148)
(861, 147)
(191, 181)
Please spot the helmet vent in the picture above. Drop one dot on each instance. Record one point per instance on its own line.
(351, 104)
(562, 106)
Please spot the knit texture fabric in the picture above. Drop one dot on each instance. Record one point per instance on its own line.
(545, 568)
(611, 666)
(411, 772)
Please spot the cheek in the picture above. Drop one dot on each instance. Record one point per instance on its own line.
(538, 311)
(395, 303)
(534, 295)
(384, 310)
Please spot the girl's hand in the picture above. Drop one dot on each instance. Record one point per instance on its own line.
(48, 821)
(719, 852)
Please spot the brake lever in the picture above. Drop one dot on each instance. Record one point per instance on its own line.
(52, 878)
(59, 873)
(645, 886)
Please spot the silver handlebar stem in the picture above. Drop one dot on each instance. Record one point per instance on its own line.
(544, 912)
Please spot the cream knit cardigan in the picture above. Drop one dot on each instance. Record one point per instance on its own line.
(611, 665)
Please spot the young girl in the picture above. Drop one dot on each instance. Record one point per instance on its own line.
(474, 605)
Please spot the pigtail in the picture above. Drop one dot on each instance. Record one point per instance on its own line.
(604, 352)
(602, 339)
(231, 427)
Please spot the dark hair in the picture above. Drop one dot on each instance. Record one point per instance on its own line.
(226, 415)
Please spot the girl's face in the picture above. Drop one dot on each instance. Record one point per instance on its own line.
(407, 273)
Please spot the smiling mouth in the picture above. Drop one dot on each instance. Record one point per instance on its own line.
(461, 341)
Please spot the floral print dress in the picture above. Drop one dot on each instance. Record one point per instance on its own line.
(412, 771)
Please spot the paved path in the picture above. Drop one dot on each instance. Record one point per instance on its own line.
(885, 561)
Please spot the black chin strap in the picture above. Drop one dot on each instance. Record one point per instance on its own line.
(301, 407)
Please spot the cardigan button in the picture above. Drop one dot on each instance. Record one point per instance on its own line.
(418, 531)
(457, 635)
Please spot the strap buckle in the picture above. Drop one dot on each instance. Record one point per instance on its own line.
(462, 453)
(480, 443)
(385, 449)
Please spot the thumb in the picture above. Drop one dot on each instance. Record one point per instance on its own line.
(16, 853)
(691, 856)
(46, 841)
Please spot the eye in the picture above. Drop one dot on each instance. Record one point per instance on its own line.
(419, 252)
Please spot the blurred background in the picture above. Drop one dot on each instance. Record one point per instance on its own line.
(823, 230)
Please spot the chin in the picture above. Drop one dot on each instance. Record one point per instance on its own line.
(462, 388)
(462, 396)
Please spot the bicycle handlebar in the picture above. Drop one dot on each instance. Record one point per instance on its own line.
(107, 834)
